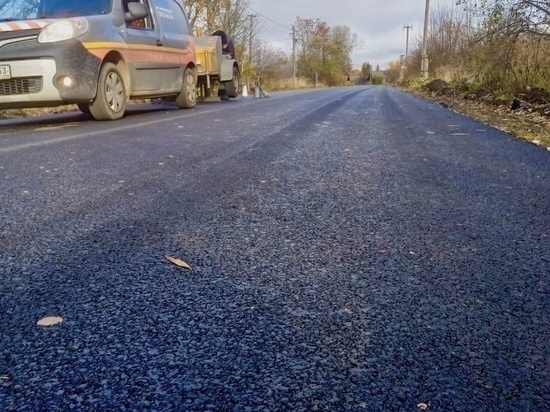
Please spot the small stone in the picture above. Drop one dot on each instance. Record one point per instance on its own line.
(50, 321)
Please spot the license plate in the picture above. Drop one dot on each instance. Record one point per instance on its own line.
(5, 71)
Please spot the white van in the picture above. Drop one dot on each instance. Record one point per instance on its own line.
(97, 54)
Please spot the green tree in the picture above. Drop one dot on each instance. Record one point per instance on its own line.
(366, 72)
(394, 71)
(311, 37)
(337, 65)
(324, 53)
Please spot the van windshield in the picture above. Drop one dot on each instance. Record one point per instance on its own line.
(44, 9)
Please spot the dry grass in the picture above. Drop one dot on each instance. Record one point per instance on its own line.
(289, 84)
(21, 113)
(526, 123)
(523, 123)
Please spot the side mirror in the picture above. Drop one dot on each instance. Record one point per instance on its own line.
(136, 11)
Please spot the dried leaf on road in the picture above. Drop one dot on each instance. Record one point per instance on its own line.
(50, 321)
(423, 406)
(178, 262)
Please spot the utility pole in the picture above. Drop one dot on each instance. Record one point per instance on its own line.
(425, 61)
(294, 54)
(250, 38)
(407, 43)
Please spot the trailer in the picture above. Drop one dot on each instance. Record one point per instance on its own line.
(214, 69)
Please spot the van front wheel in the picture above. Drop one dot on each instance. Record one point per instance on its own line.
(187, 98)
(110, 100)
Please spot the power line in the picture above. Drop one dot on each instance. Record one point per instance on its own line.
(277, 41)
(405, 41)
(267, 18)
(413, 12)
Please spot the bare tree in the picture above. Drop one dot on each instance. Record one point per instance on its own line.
(528, 15)
(449, 39)
(206, 16)
(270, 62)
(508, 47)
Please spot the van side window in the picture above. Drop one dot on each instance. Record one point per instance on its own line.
(172, 17)
(139, 23)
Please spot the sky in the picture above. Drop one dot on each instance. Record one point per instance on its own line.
(379, 24)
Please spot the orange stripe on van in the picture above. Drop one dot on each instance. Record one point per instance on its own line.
(34, 24)
(148, 55)
(13, 25)
(143, 53)
(118, 46)
(24, 24)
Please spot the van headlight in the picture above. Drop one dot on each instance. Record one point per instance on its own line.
(63, 30)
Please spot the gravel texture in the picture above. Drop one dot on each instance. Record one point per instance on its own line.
(352, 249)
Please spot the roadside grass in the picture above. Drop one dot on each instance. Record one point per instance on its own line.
(42, 111)
(528, 122)
(290, 84)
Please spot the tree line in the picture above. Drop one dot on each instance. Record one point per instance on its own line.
(321, 54)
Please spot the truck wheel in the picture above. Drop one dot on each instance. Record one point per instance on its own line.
(187, 98)
(110, 101)
(232, 87)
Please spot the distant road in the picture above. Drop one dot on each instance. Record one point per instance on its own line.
(351, 249)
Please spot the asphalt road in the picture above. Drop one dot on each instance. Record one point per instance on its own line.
(351, 249)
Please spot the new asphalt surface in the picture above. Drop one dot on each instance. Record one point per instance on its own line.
(351, 249)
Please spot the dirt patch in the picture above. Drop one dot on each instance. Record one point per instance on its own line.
(21, 113)
(438, 86)
(525, 116)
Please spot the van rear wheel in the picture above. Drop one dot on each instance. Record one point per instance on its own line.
(187, 98)
(110, 100)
